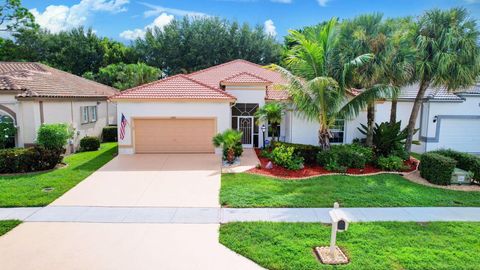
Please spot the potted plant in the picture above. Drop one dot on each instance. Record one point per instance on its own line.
(231, 142)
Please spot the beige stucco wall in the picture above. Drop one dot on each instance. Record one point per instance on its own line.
(29, 118)
(220, 110)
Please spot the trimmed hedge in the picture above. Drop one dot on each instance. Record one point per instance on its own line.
(391, 163)
(465, 161)
(110, 134)
(89, 144)
(436, 168)
(347, 155)
(285, 156)
(22, 160)
(306, 151)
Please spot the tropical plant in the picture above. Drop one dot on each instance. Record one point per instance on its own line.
(315, 93)
(229, 140)
(399, 58)
(447, 55)
(388, 138)
(272, 114)
(361, 35)
(284, 156)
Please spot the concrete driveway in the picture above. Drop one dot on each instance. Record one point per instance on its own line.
(131, 181)
(154, 180)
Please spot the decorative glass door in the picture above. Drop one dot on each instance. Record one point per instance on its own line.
(245, 125)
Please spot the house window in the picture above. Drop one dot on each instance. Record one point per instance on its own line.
(84, 111)
(338, 130)
(93, 113)
(88, 114)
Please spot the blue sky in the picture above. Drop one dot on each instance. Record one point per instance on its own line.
(127, 19)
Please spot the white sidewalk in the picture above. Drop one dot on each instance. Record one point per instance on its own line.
(191, 215)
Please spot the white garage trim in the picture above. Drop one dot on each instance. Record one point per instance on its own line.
(438, 127)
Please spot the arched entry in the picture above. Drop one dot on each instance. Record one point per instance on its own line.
(8, 130)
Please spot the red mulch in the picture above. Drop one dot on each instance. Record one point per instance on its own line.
(314, 170)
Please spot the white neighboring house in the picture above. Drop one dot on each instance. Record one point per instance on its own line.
(32, 94)
(181, 114)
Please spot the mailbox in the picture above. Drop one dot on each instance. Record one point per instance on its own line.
(340, 219)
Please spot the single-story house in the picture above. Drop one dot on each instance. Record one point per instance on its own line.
(181, 113)
(32, 94)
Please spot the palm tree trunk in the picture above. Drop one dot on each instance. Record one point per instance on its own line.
(413, 116)
(393, 111)
(370, 122)
(324, 137)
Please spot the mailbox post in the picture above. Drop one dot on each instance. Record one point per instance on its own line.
(333, 254)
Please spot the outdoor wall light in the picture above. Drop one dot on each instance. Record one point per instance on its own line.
(435, 118)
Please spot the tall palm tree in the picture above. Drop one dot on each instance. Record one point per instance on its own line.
(361, 35)
(315, 93)
(272, 113)
(399, 58)
(447, 55)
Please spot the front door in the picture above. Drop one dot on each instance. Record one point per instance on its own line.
(245, 125)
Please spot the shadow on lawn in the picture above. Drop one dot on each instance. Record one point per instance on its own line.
(98, 161)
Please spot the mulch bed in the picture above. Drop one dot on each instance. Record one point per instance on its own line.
(316, 170)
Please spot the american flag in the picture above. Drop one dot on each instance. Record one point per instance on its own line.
(123, 124)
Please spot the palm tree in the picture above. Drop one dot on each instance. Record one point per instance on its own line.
(315, 93)
(361, 35)
(399, 58)
(272, 113)
(447, 55)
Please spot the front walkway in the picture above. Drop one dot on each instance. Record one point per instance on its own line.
(182, 215)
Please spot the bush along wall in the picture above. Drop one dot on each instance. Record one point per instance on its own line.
(436, 168)
(89, 144)
(307, 152)
(110, 134)
(22, 160)
(467, 162)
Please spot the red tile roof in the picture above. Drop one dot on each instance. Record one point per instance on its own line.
(245, 78)
(38, 80)
(174, 87)
(214, 75)
(206, 83)
(273, 94)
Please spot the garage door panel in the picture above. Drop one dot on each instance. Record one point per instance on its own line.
(460, 134)
(174, 135)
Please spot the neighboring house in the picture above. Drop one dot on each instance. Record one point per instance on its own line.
(183, 112)
(32, 94)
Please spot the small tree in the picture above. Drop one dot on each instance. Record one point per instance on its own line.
(272, 113)
(231, 142)
(54, 136)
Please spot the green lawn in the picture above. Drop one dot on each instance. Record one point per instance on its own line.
(386, 190)
(7, 225)
(383, 245)
(26, 190)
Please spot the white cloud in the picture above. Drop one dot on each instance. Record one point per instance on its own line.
(160, 22)
(156, 10)
(323, 3)
(270, 28)
(58, 18)
(282, 1)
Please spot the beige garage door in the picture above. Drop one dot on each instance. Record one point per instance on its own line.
(174, 135)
